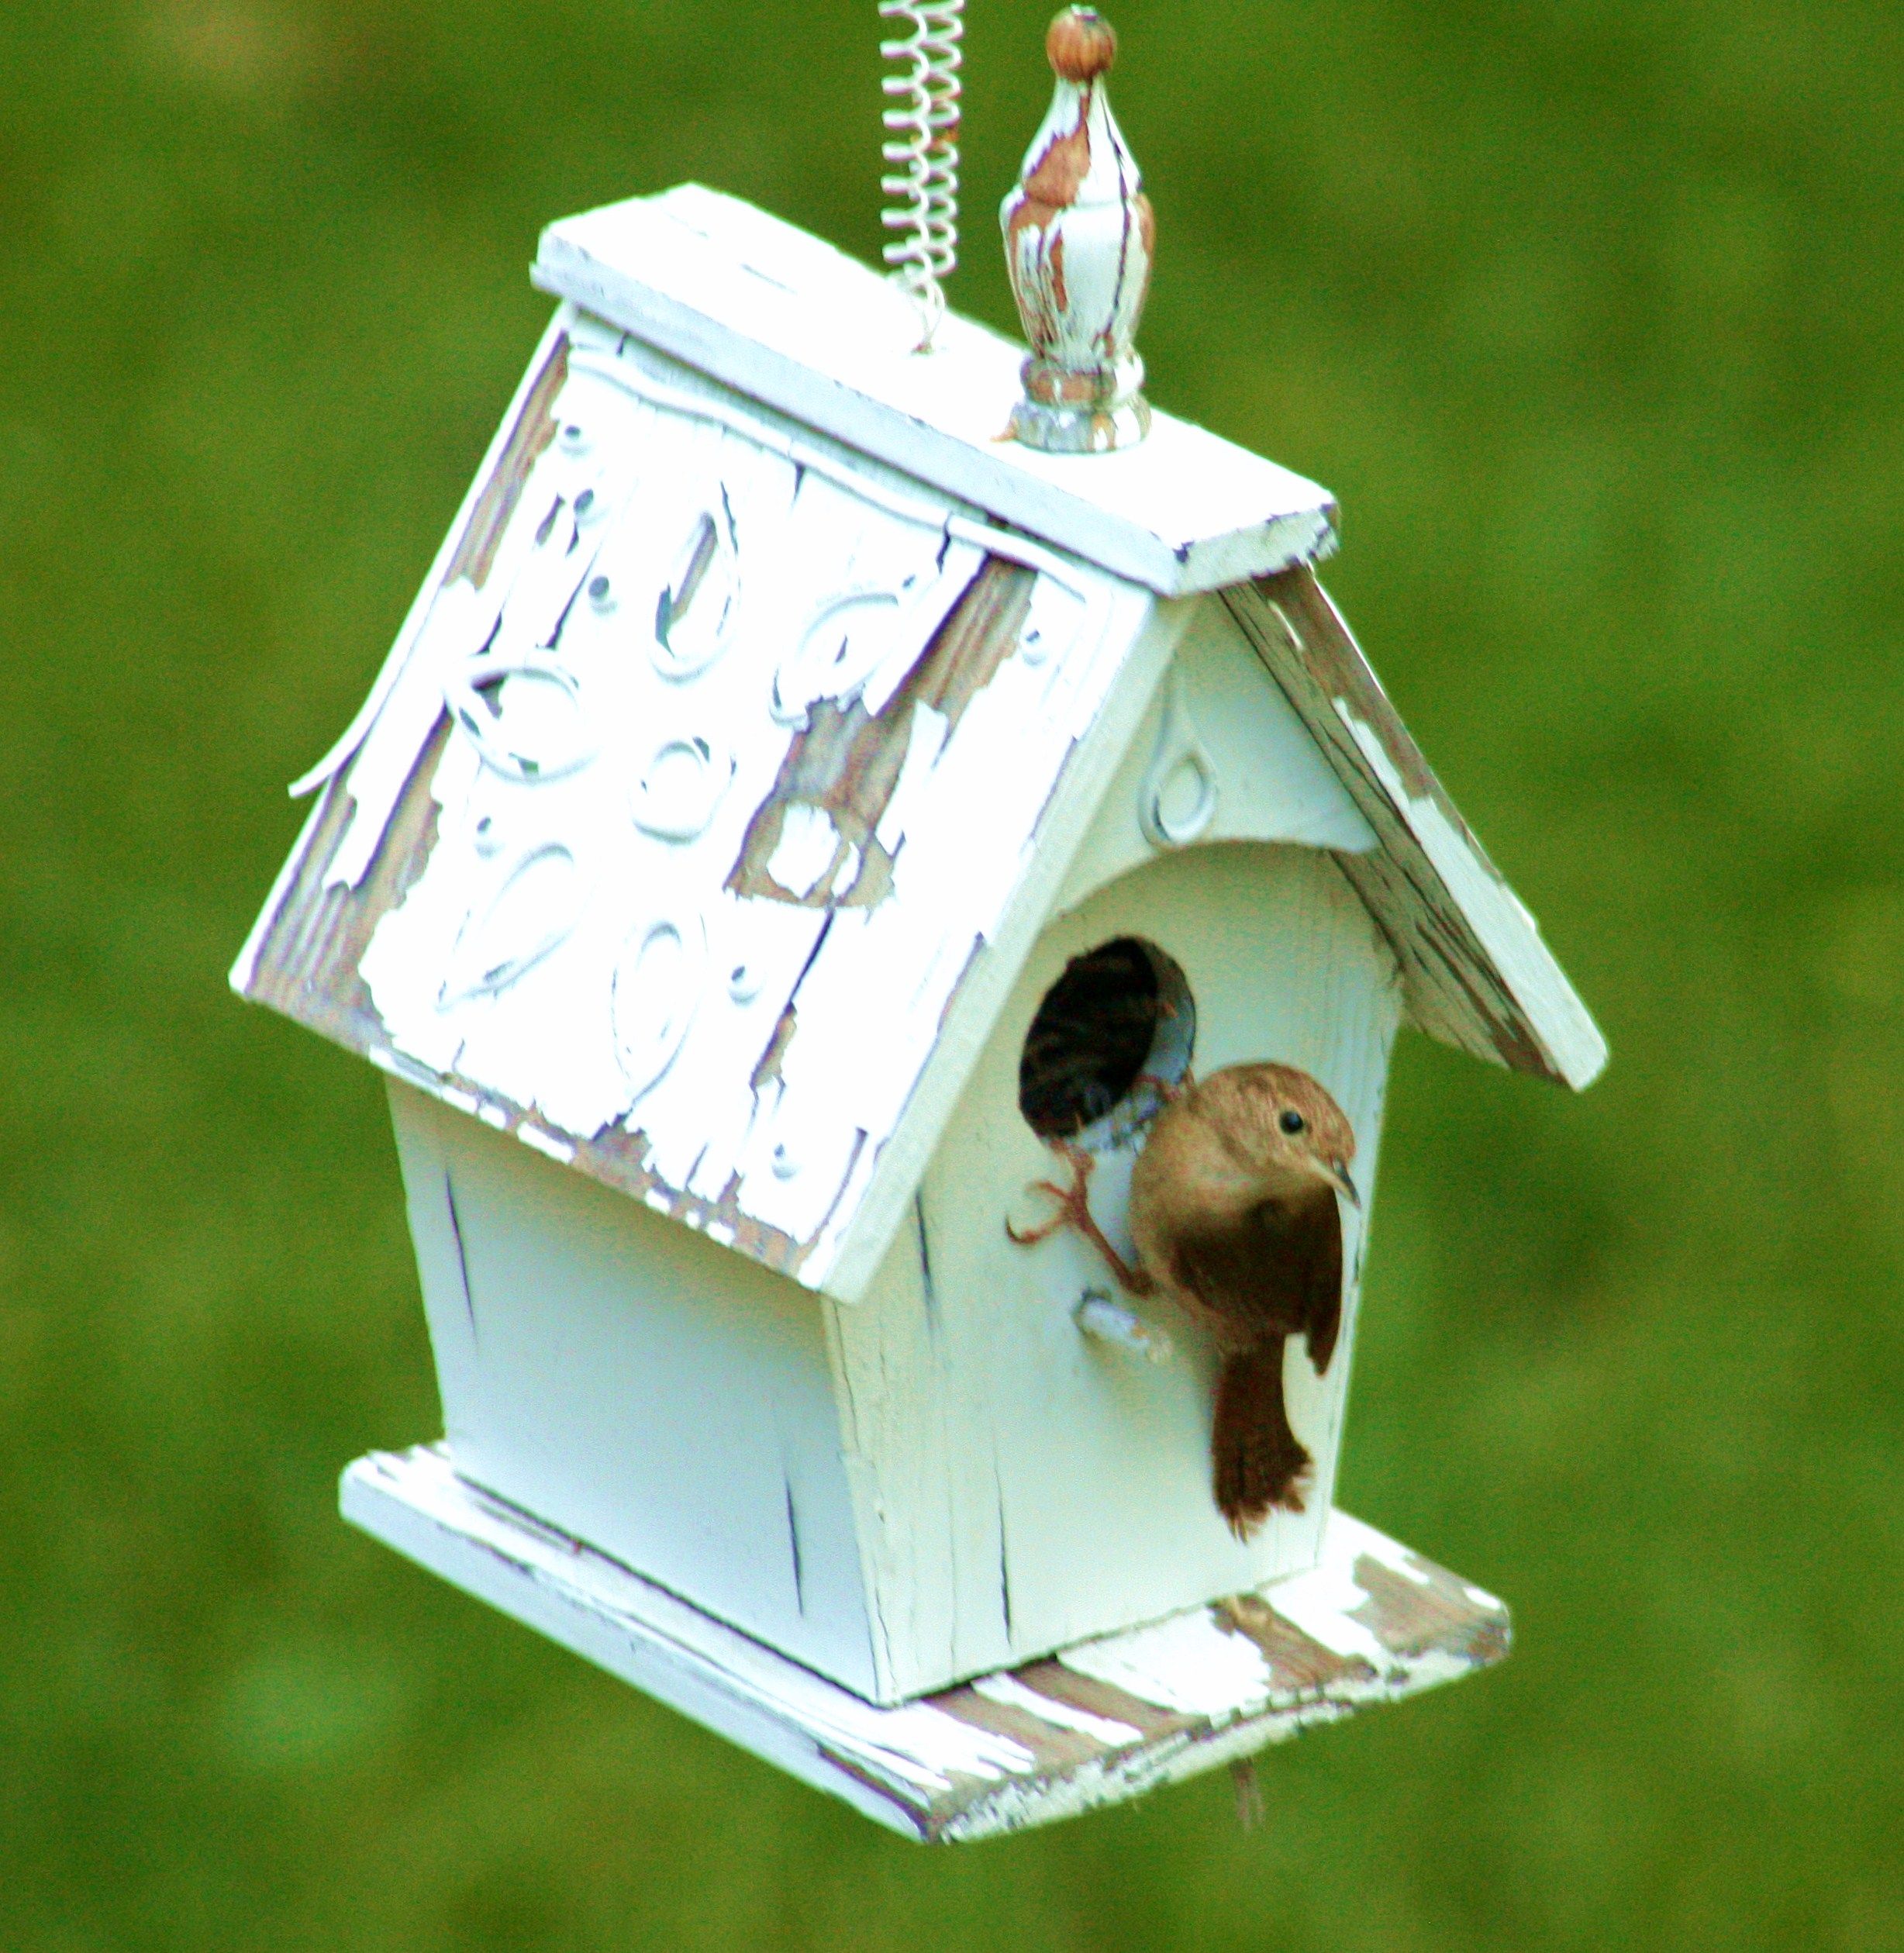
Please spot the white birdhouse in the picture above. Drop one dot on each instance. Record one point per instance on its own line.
(774, 755)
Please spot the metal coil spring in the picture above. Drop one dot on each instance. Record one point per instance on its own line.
(923, 148)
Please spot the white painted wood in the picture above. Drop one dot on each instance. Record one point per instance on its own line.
(442, 1273)
(787, 320)
(915, 1419)
(1478, 975)
(1270, 781)
(447, 621)
(1018, 1484)
(552, 955)
(1092, 724)
(639, 1388)
(1108, 1720)
(573, 956)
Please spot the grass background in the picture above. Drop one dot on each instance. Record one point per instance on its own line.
(1590, 312)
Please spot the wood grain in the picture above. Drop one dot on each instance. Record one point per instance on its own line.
(1478, 975)
(1100, 1722)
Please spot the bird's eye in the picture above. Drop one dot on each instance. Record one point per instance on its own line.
(1292, 1121)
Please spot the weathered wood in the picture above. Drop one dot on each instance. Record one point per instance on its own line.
(847, 764)
(890, 761)
(788, 320)
(306, 962)
(539, 873)
(1100, 1722)
(992, 800)
(1478, 975)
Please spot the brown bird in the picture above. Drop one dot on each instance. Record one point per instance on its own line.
(1234, 1214)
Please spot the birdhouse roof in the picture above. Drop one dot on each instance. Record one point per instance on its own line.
(736, 748)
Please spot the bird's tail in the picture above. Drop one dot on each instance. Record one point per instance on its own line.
(1257, 1461)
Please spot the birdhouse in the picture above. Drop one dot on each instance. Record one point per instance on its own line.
(799, 817)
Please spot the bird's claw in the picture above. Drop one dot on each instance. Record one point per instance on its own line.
(1075, 1203)
(1074, 1211)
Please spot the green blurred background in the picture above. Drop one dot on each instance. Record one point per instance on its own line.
(1590, 313)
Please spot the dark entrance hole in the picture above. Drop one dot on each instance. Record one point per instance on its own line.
(1114, 1030)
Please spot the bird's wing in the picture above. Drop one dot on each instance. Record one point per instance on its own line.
(1316, 1242)
(1276, 1270)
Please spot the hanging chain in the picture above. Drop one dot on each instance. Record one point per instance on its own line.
(922, 151)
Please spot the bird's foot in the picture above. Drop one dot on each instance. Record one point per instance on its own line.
(1074, 1211)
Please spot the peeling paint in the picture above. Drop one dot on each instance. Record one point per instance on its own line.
(837, 801)
(1477, 972)
(535, 428)
(1424, 1606)
(1098, 1724)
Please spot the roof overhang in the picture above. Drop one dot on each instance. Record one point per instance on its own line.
(1477, 973)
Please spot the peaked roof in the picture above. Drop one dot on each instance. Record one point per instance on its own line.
(721, 779)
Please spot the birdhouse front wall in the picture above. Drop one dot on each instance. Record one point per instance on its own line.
(1019, 1484)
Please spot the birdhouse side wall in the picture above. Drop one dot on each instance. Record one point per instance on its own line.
(1021, 1485)
(636, 1386)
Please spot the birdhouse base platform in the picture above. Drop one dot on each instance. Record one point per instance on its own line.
(1093, 1724)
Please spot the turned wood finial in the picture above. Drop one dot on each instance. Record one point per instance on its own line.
(1081, 45)
(1079, 239)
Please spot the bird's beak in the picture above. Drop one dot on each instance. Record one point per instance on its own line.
(1339, 1173)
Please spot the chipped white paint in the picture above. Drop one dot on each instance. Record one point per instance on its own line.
(417, 1503)
(1008, 1690)
(808, 853)
(243, 972)
(1496, 914)
(546, 1143)
(1078, 238)
(510, 964)
(1478, 975)
(1188, 1663)
(948, 1477)
(400, 659)
(1094, 707)
(927, 1769)
(790, 321)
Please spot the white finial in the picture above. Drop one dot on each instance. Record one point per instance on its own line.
(1079, 239)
